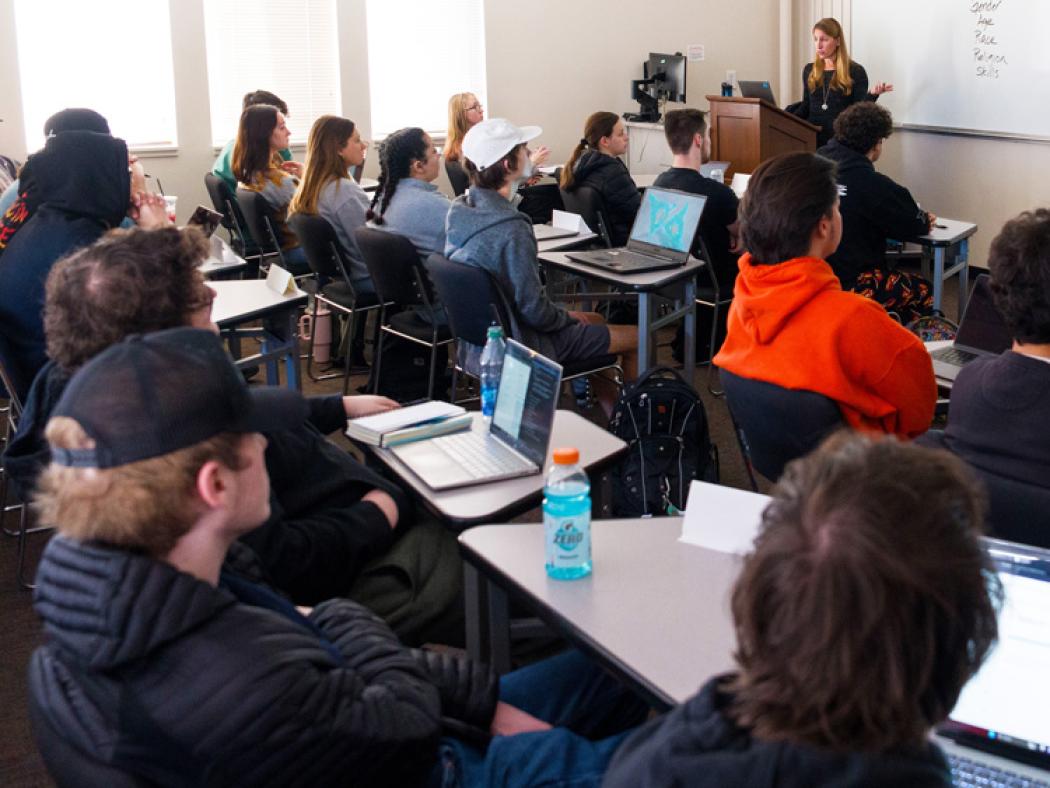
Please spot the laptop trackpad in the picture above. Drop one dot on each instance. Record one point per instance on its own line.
(431, 464)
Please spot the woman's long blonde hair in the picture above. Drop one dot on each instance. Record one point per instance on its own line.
(328, 135)
(841, 80)
(457, 125)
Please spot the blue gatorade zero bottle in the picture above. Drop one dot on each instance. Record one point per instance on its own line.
(567, 517)
(491, 369)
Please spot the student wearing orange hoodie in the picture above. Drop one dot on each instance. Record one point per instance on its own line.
(791, 323)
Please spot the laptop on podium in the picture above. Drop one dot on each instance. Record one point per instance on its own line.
(999, 731)
(661, 236)
(982, 332)
(516, 442)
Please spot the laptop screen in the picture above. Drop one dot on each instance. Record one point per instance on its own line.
(982, 327)
(666, 223)
(526, 401)
(1004, 708)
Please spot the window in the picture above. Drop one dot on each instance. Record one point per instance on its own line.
(113, 56)
(288, 47)
(421, 52)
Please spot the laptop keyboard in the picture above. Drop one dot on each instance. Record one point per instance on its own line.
(952, 355)
(481, 458)
(966, 772)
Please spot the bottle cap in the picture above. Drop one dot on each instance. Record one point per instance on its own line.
(566, 456)
(495, 331)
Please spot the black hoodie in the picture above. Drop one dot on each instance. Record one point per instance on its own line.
(82, 186)
(620, 197)
(873, 208)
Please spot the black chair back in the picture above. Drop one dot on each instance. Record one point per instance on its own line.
(13, 379)
(471, 299)
(321, 246)
(457, 176)
(225, 202)
(257, 213)
(780, 424)
(588, 203)
(394, 265)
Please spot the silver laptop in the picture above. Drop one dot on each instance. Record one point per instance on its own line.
(982, 332)
(661, 237)
(516, 442)
(1000, 729)
(548, 232)
(757, 88)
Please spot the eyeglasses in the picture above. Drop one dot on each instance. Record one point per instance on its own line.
(477, 107)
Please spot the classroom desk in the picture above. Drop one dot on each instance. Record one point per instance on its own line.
(953, 237)
(647, 286)
(655, 612)
(569, 242)
(645, 180)
(214, 268)
(244, 301)
(495, 501)
(369, 184)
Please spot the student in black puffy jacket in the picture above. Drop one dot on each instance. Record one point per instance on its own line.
(856, 629)
(874, 208)
(595, 162)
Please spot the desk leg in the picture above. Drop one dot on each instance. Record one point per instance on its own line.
(964, 275)
(645, 308)
(690, 330)
(476, 610)
(499, 629)
(291, 358)
(938, 275)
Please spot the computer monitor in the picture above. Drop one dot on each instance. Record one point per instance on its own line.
(668, 75)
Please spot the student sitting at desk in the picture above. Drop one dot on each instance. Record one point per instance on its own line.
(792, 325)
(483, 229)
(595, 163)
(407, 202)
(1000, 407)
(865, 606)
(335, 528)
(223, 166)
(874, 208)
(170, 662)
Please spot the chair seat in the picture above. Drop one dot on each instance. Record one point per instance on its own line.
(572, 368)
(342, 294)
(411, 323)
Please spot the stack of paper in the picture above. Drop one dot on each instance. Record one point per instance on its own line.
(722, 518)
(415, 422)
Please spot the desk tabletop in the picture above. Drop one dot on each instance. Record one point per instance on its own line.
(213, 266)
(553, 244)
(481, 503)
(247, 299)
(655, 611)
(644, 282)
(948, 232)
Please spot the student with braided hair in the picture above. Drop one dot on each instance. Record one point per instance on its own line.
(407, 202)
(328, 191)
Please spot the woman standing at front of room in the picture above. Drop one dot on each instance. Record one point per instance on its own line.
(832, 81)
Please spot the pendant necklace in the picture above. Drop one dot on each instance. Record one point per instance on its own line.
(827, 89)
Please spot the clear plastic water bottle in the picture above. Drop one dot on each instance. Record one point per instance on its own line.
(567, 517)
(491, 368)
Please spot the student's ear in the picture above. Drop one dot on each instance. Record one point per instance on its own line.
(698, 140)
(212, 486)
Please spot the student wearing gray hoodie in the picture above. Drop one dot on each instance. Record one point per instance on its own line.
(484, 229)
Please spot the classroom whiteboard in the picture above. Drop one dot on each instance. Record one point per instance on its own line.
(969, 66)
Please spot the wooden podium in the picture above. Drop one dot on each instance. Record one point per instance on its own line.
(747, 131)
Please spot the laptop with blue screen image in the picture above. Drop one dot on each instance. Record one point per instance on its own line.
(999, 731)
(515, 442)
(661, 237)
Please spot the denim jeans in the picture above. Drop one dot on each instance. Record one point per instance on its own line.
(591, 712)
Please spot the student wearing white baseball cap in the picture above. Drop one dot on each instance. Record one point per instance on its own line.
(484, 229)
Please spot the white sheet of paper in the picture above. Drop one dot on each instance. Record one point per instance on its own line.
(722, 518)
(564, 220)
(281, 281)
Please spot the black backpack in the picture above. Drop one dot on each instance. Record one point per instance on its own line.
(663, 421)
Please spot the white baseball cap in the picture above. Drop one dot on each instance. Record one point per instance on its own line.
(489, 141)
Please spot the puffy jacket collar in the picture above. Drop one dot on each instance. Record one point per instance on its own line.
(591, 161)
(83, 173)
(476, 211)
(107, 607)
(846, 158)
(768, 296)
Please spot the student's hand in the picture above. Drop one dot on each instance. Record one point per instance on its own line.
(540, 155)
(880, 88)
(294, 167)
(306, 611)
(367, 404)
(931, 220)
(386, 505)
(736, 244)
(510, 720)
(148, 211)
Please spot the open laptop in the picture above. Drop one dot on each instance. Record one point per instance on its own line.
(661, 237)
(757, 88)
(1002, 720)
(516, 442)
(982, 332)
